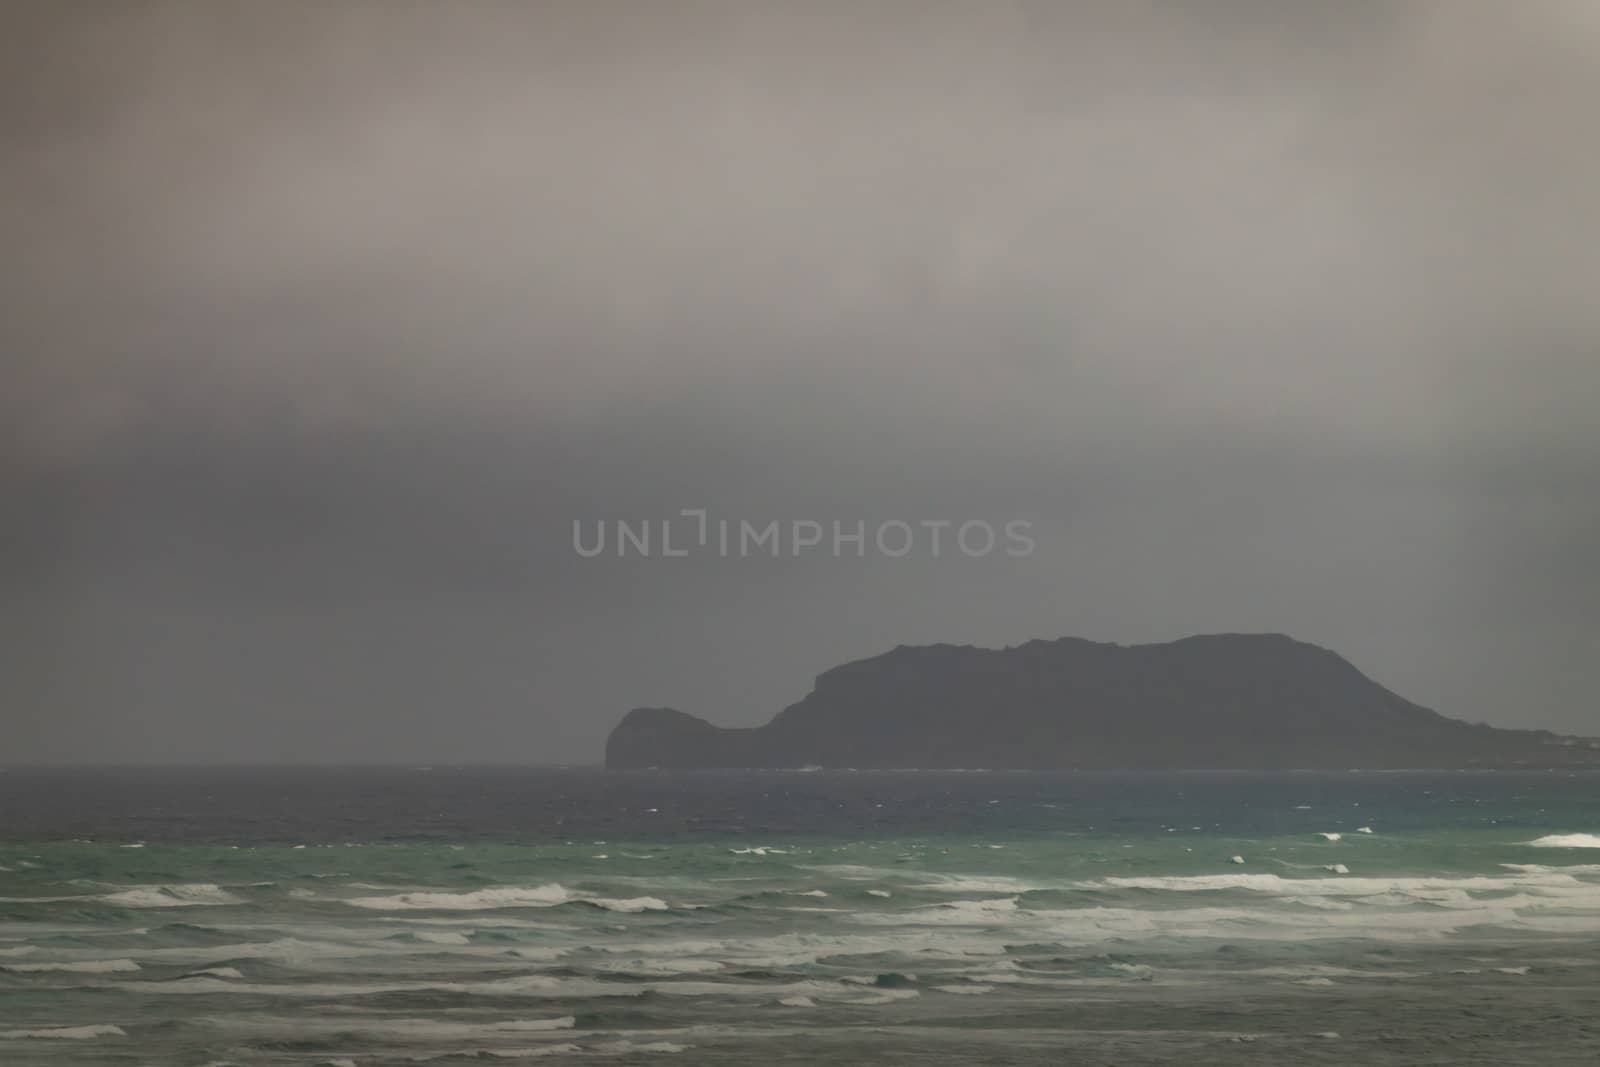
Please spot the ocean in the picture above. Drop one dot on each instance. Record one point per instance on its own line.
(366, 916)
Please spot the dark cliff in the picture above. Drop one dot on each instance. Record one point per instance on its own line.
(1216, 701)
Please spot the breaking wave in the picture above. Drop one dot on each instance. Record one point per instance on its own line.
(65, 1033)
(544, 896)
(171, 896)
(1567, 841)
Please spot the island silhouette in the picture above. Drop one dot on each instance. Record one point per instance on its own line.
(1213, 701)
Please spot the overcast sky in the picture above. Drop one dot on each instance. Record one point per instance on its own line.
(322, 322)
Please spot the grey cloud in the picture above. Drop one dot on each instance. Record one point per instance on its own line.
(323, 323)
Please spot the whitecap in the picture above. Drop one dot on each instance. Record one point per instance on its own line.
(80, 967)
(641, 966)
(564, 1022)
(1273, 883)
(171, 896)
(1567, 841)
(565, 1048)
(440, 937)
(427, 1029)
(957, 883)
(544, 896)
(1329, 835)
(527, 985)
(950, 913)
(65, 1033)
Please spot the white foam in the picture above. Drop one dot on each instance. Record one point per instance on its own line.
(797, 1002)
(14, 953)
(1419, 888)
(171, 896)
(218, 972)
(409, 1029)
(623, 1048)
(527, 985)
(879, 893)
(1322, 970)
(879, 996)
(1567, 841)
(951, 913)
(565, 1022)
(965, 990)
(565, 1048)
(855, 872)
(81, 967)
(65, 1033)
(287, 950)
(544, 896)
(665, 966)
(1322, 903)
(1329, 835)
(45, 900)
(442, 937)
(1363, 829)
(960, 883)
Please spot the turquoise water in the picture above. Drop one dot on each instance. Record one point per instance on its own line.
(1067, 920)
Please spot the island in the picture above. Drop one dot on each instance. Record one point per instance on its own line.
(1214, 701)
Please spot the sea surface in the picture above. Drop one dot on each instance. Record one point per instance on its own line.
(177, 917)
